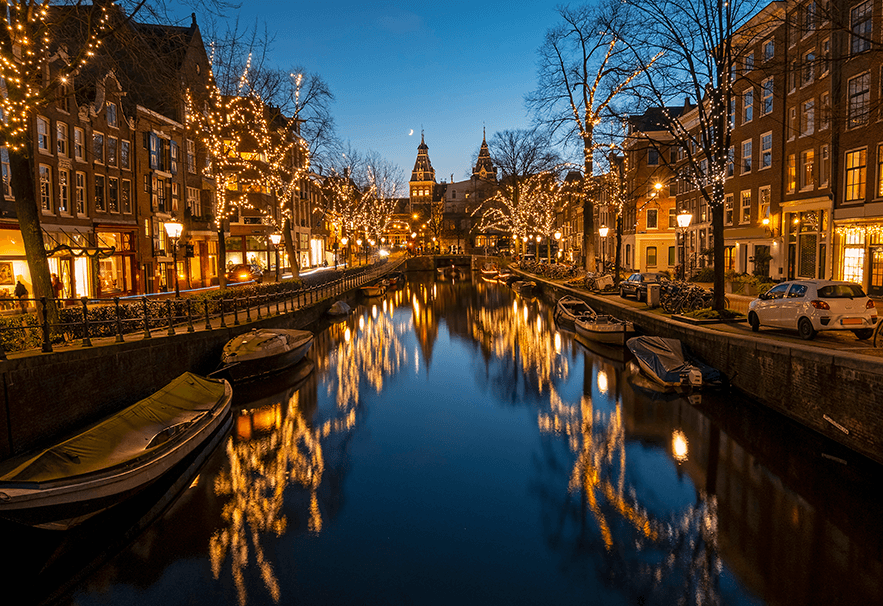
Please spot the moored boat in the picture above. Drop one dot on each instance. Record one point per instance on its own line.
(374, 290)
(604, 329)
(263, 351)
(111, 461)
(670, 363)
(568, 309)
(504, 276)
(339, 308)
(489, 270)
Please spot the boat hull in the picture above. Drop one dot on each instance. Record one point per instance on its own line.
(373, 290)
(667, 362)
(64, 502)
(569, 309)
(608, 333)
(240, 368)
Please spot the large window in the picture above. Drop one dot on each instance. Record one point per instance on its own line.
(61, 135)
(80, 192)
(42, 134)
(79, 144)
(858, 97)
(652, 218)
(651, 256)
(46, 188)
(763, 203)
(100, 203)
(746, 156)
(766, 96)
(728, 209)
(792, 173)
(809, 68)
(745, 207)
(807, 159)
(64, 192)
(112, 145)
(748, 106)
(125, 155)
(861, 26)
(824, 166)
(808, 117)
(856, 167)
(126, 196)
(766, 150)
(4, 162)
(193, 201)
(191, 156)
(113, 194)
(98, 147)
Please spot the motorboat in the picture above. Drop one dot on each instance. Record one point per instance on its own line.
(504, 276)
(489, 270)
(526, 288)
(374, 290)
(605, 329)
(111, 461)
(263, 351)
(569, 308)
(339, 308)
(670, 363)
(395, 278)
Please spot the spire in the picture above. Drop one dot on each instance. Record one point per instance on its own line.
(423, 170)
(484, 166)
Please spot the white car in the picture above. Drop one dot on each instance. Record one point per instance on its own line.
(809, 306)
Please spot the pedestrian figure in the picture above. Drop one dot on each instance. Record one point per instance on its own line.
(20, 293)
(57, 286)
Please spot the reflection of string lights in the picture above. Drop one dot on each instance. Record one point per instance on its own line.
(679, 448)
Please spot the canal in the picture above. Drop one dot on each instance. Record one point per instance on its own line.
(448, 444)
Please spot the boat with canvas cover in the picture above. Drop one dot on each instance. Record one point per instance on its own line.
(263, 351)
(670, 363)
(111, 461)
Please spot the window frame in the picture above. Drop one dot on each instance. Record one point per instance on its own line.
(855, 191)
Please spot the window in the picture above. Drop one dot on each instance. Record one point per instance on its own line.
(45, 188)
(809, 68)
(112, 114)
(652, 157)
(42, 134)
(672, 217)
(98, 147)
(79, 144)
(731, 112)
(858, 97)
(80, 192)
(807, 158)
(193, 201)
(826, 57)
(860, 25)
(100, 204)
(824, 167)
(173, 157)
(769, 49)
(808, 117)
(161, 195)
(4, 162)
(880, 170)
(766, 97)
(825, 111)
(810, 15)
(766, 150)
(61, 133)
(64, 193)
(792, 173)
(728, 209)
(671, 256)
(153, 148)
(792, 76)
(749, 62)
(746, 156)
(748, 105)
(126, 196)
(856, 163)
(792, 122)
(125, 155)
(651, 256)
(113, 194)
(112, 144)
(191, 156)
(745, 207)
(763, 203)
(731, 156)
(652, 218)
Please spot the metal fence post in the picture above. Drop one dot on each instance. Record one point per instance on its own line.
(223, 320)
(146, 318)
(87, 342)
(171, 331)
(116, 304)
(259, 297)
(248, 308)
(235, 312)
(47, 344)
(208, 320)
(190, 316)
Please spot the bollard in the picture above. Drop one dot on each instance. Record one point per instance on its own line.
(277, 304)
(87, 342)
(47, 345)
(189, 317)
(208, 321)
(248, 308)
(146, 320)
(235, 312)
(116, 304)
(171, 331)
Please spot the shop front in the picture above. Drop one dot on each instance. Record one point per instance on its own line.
(806, 227)
(117, 274)
(861, 255)
(13, 264)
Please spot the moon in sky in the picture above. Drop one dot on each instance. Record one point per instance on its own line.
(411, 133)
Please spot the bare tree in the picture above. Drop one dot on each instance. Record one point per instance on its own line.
(579, 77)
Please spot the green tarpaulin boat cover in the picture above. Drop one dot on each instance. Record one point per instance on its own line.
(121, 437)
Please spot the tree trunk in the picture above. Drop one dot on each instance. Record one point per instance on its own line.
(222, 257)
(588, 206)
(289, 248)
(618, 262)
(21, 168)
(717, 225)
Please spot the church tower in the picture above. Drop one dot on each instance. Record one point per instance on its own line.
(422, 182)
(484, 166)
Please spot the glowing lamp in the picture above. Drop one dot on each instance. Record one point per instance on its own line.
(684, 220)
(275, 239)
(603, 231)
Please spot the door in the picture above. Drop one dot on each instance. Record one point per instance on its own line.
(875, 286)
(767, 309)
(791, 306)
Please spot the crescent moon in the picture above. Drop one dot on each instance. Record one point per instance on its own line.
(411, 133)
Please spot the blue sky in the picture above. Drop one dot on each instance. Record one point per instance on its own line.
(449, 68)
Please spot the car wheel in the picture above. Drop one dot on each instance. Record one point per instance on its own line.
(863, 334)
(622, 293)
(805, 329)
(754, 322)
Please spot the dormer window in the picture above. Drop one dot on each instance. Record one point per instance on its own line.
(112, 114)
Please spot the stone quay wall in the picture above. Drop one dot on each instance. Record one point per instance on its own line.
(838, 394)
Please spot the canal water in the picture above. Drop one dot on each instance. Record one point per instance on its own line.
(449, 444)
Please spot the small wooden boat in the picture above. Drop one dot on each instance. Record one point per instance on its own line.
(339, 308)
(118, 457)
(451, 272)
(604, 329)
(395, 278)
(670, 363)
(504, 276)
(374, 290)
(263, 351)
(568, 309)
(489, 270)
(527, 288)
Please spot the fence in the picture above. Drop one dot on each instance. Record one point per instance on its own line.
(84, 319)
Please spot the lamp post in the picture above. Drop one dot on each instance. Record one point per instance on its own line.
(344, 240)
(603, 231)
(173, 231)
(684, 219)
(558, 244)
(359, 244)
(275, 239)
(537, 247)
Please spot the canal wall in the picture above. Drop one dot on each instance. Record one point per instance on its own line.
(48, 395)
(838, 394)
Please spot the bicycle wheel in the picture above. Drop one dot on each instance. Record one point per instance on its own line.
(878, 334)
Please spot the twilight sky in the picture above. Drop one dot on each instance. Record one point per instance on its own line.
(447, 67)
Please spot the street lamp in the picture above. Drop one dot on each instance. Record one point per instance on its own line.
(344, 240)
(359, 244)
(536, 249)
(684, 219)
(173, 231)
(603, 231)
(558, 243)
(275, 239)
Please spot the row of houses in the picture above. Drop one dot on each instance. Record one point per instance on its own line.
(114, 162)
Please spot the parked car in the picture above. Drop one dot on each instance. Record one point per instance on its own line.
(636, 284)
(809, 306)
(244, 272)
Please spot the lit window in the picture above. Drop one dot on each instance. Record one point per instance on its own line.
(856, 163)
(42, 134)
(45, 188)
